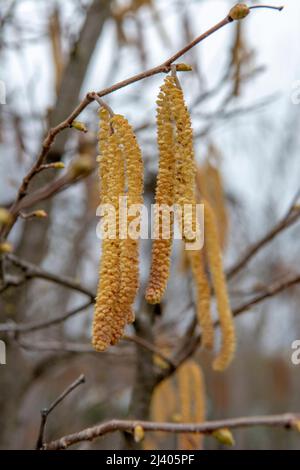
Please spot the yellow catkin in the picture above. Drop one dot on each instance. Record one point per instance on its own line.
(129, 247)
(196, 260)
(210, 186)
(215, 262)
(192, 402)
(185, 196)
(119, 268)
(161, 248)
(105, 325)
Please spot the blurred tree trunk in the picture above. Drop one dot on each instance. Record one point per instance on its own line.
(33, 243)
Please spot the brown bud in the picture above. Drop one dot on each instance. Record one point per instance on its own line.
(239, 11)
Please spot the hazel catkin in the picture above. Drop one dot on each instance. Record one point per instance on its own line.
(214, 256)
(119, 270)
(110, 169)
(164, 196)
(129, 246)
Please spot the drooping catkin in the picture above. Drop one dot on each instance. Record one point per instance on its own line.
(111, 171)
(192, 402)
(129, 246)
(203, 293)
(210, 187)
(215, 262)
(119, 270)
(162, 244)
(185, 198)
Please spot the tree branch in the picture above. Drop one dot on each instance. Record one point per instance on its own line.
(46, 411)
(285, 421)
(292, 216)
(32, 271)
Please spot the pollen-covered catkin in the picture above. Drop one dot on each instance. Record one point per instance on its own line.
(129, 244)
(197, 263)
(215, 262)
(162, 244)
(185, 198)
(192, 402)
(112, 184)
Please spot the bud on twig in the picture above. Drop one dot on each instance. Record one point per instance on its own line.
(58, 165)
(82, 166)
(39, 214)
(224, 436)
(5, 216)
(139, 433)
(80, 126)
(6, 247)
(183, 68)
(239, 11)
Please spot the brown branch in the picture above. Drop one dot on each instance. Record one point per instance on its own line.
(286, 421)
(165, 67)
(150, 347)
(292, 216)
(274, 289)
(32, 271)
(41, 325)
(188, 348)
(46, 411)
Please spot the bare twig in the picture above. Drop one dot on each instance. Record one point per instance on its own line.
(188, 348)
(291, 217)
(147, 345)
(46, 411)
(271, 291)
(286, 421)
(32, 271)
(41, 325)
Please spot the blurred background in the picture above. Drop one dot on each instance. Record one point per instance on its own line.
(242, 95)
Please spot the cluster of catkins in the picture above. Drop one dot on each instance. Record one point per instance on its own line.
(121, 167)
(121, 174)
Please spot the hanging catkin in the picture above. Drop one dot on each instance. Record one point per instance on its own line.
(185, 197)
(203, 293)
(119, 264)
(112, 186)
(192, 402)
(161, 248)
(129, 265)
(215, 262)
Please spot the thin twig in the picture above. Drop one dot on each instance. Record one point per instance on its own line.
(32, 271)
(267, 6)
(46, 411)
(286, 421)
(188, 349)
(288, 220)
